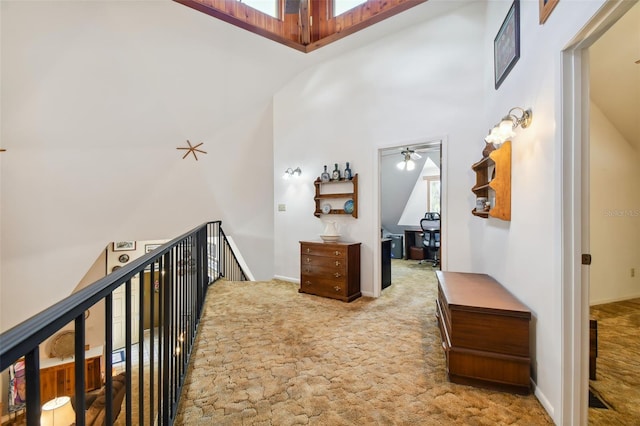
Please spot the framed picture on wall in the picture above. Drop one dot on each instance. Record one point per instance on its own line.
(506, 45)
(124, 245)
(151, 247)
(546, 7)
(148, 248)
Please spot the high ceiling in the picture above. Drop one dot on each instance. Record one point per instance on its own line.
(614, 66)
(305, 25)
(615, 75)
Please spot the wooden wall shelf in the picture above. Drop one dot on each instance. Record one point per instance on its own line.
(348, 190)
(493, 181)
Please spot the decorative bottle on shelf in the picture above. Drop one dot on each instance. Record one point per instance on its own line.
(347, 172)
(336, 173)
(324, 177)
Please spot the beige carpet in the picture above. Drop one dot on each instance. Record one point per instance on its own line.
(268, 355)
(618, 363)
(145, 346)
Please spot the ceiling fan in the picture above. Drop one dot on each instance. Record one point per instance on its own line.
(408, 161)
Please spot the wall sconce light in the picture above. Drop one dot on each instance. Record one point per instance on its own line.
(408, 163)
(504, 130)
(292, 172)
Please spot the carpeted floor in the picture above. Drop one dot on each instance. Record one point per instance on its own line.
(617, 366)
(145, 346)
(268, 355)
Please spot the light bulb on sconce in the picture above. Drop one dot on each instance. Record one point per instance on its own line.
(292, 172)
(504, 131)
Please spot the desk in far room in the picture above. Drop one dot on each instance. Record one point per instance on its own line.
(412, 236)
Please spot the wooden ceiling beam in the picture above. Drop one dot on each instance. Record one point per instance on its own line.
(314, 25)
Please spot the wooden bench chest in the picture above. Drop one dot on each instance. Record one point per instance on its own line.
(485, 332)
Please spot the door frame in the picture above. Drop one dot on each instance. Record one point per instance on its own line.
(377, 222)
(574, 202)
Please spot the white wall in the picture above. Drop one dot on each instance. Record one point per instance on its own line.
(396, 187)
(416, 206)
(525, 253)
(614, 213)
(385, 93)
(96, 97)
(394, 91)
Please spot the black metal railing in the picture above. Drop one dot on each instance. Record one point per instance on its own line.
(180, 272)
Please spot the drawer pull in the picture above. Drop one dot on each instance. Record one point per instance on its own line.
(337, 289)
(337, 275)
(307, 282)
(337, 253)
(308, 260)
(337, 263)
(308, 270)
(308, 250)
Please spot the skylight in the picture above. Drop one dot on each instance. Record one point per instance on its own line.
(269, 7)
(341, 6)
(304, 25)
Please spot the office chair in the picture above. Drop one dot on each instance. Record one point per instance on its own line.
(430, 225)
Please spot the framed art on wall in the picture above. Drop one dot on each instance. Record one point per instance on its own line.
(506, 45)
(546, 7)
(124, 245)
(150, 247)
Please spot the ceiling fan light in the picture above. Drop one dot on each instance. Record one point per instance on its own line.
(411, 165)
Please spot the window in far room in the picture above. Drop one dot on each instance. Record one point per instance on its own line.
(341, 6)
(269, 7)
(433, 193)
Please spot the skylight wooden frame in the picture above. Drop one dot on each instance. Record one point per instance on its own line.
(314, 26)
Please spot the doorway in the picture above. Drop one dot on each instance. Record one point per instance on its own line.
(119, 315)
(411, 184)
(576, 215)
(614, 220)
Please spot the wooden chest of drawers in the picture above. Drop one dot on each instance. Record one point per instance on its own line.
(57, 377)
(330, 269)
(485, 332)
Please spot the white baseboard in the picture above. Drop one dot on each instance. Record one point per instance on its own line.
(283, 278)
(543, 400)
(617, 299)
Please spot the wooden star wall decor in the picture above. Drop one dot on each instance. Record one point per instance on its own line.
(192, 150)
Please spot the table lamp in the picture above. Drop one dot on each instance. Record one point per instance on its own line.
(58, 412)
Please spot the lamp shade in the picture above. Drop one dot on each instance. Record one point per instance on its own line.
(58, 412)
(505, 129)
